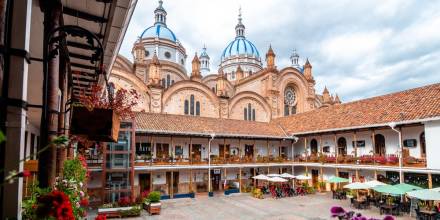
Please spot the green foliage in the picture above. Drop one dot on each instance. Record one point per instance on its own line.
(154, 196)
(135, 211)
(74, 170)
(29, 204)
(61, 140)
(2, 137)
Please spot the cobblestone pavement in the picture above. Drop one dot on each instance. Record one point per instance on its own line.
(245, 207)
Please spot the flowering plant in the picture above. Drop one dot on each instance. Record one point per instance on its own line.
(380, 159)
(341, 214)
(55, 204)
(393, 159)
(122, 101)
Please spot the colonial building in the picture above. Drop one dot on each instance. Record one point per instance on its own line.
(201, 132)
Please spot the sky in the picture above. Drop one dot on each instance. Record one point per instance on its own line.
(358, 49)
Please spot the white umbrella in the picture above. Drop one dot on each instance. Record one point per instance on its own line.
(374, 183)
(277, 179)
(261, 177)
(273, 175)
(356, 185)
(303, 177)
(425, 194)
(287, 175)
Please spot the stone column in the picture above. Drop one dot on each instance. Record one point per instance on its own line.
(17, 83)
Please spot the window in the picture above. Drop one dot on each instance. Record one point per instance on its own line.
(289, 101)
(182, 61)
(168, 55)
(191, 103)
(147, 53)
(186, 107)
(163, 83)
(198, 108)
(168, 80)
(191, 106)
(249, 113)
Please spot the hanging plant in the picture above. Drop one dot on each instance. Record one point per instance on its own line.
(97, 116)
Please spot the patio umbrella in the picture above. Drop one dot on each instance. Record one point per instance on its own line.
(389, 189)
(425, 194)
(273, 175)
(407, 187)
(287, 175)
(260, 177)
(356, 185)
(374, 183)
(303, 177)
(337, 179)
(277, 179)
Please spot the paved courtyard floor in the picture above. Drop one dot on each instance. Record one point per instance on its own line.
(244, 207)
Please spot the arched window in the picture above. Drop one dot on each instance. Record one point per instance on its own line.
(191, 105)
(249, 113)
(186, 107)
(245, 114)
(168, 80)
(198, 108)
(289, 101)
(342, 146)
(163, 83)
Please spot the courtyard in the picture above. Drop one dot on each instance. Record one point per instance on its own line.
(243, 206)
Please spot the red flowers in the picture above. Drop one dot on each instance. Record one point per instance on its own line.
(101, 217)
(25, 173)
(84, 202)
(124, 201)
(55, 204)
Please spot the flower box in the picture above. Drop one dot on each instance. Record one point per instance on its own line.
(97, 125)
(153, 208)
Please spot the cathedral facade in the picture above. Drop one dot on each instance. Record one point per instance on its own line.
(242, 88)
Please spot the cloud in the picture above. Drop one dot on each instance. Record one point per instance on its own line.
(358, 49)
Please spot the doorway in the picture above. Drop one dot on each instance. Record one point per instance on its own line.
(224, 151)
(342, 146)
(315, 178)
(314, 147)
(379, 144)
(216, 179)
(283, 152)
(249, 151)
(144, 182)
(173, 185)
(197, 152)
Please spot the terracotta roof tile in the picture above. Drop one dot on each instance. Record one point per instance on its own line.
(414, 104)
(181, 124)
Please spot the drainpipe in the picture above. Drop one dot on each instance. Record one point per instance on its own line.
(294, 141)
(209, 164)
(400, 151)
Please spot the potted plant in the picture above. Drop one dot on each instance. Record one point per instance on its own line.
(152, 203)
(103, 113)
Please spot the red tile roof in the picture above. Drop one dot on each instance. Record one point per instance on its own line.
(405, 106)
(194, 125)
(409, 105)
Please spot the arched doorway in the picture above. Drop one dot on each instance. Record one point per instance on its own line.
(314, 146)
(422, 144)
(379, 144)
(342, 146)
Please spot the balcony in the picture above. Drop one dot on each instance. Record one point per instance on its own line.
(377, 160)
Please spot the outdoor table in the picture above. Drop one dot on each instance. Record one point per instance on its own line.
(388, 209)
(428, 214)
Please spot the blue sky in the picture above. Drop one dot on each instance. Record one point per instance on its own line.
(358, 49)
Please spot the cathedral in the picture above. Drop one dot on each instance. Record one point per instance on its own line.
(242, 88)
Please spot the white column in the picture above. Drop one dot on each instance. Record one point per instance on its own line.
(16, 116)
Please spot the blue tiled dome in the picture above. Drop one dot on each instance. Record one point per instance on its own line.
(240, 46)
(159, 30)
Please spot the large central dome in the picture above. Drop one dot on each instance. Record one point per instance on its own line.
(240, 46)
(160, 31)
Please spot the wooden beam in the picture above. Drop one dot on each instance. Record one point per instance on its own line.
(80, 56)
(83, 15)
(190, 151)
(355, 144)
(83, 66)
(429, 181)
(190, 180)
(80, 45)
